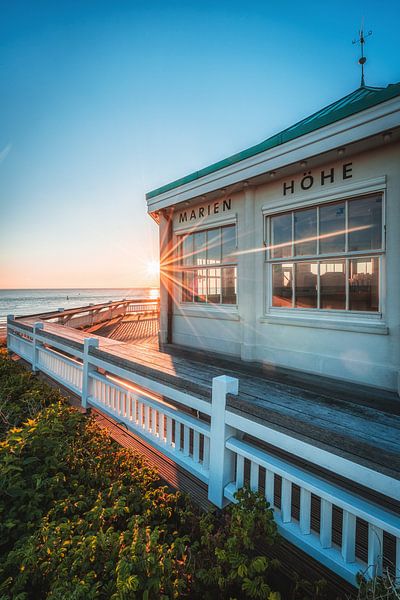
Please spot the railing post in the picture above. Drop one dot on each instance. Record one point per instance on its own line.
(37, 327)
(9, 319)
(87, 368)
(222, 461)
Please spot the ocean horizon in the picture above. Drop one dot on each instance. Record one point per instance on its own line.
(30, 301)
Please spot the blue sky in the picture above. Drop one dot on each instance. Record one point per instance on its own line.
(103, 101)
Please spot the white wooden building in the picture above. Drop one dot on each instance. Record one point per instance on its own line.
(288, 253)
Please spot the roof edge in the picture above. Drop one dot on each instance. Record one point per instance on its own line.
(378, 95)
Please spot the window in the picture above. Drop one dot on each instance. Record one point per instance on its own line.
(208, 266)
(327, 257)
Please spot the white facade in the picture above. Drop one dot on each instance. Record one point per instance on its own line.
(357, 342)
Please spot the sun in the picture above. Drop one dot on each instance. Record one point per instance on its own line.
(153, 268)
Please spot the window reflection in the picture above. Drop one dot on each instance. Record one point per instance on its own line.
(365, 215)
(211, 282)
(229, 285)
(213, 246)
(199, 248)
(305, 228)
(306, 295)
(364, 284)
(333, 285)
(332, 219)
(282, 285)
(281, 236)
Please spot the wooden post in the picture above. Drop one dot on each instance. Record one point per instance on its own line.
(37, 327)
(87, 368)
(222, 461)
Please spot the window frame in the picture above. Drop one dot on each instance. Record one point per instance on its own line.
(207, 267)
(347, 256)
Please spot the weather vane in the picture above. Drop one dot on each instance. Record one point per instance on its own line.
(361, 40)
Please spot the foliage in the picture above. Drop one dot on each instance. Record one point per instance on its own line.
(83, 518)
(378, 588)
(227, 555)
(22, 394)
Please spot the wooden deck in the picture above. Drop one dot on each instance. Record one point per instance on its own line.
(354, 422)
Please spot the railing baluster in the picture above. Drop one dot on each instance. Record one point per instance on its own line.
(161, 427)
(348, 537)
(286, 501)
(239, 471)
(147, 418)
(178, 435)
(270, 487)
(254, 476)
(196, 446)
(375, 550)
(206, 452)
(186, 440)
(169, 431)
(325, 534)
(141, 414)
(305, 511)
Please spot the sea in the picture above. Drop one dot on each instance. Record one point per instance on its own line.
(29, 302)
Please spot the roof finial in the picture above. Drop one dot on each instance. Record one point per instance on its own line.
(361, 40)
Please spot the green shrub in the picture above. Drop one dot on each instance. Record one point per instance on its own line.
(22, 394)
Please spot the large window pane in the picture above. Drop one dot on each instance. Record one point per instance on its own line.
(214, 286)
(365, 224)
(187, 286)
(331, 221)
(214, 246)
(332, 284)
(228, 243)
(306, 285)
(228, 285)
(200, 285)
(364, 284)
(199, 241)
(281, 236)
(305, 232)
(187, 250)
(282, 285)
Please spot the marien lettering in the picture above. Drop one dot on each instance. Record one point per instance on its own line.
(204, 211)
(326, 176)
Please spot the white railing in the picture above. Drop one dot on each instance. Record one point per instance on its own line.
(138, 308)
(65, 370)
(215, 452)
(341, 558)
(181, 437)
(88, 316)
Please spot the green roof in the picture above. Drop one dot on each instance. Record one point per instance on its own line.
(359, 100)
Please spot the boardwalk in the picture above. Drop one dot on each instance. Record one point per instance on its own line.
(354, 422)
(138, 329)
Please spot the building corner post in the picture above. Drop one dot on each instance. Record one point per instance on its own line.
(247, 276)
(222, 461)
(166, 276)
(10, 318)
(37, 328)
(87, 368)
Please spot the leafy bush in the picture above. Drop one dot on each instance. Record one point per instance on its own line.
(22, 394)
(379, 588)
(227, 555)
(83, 518)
